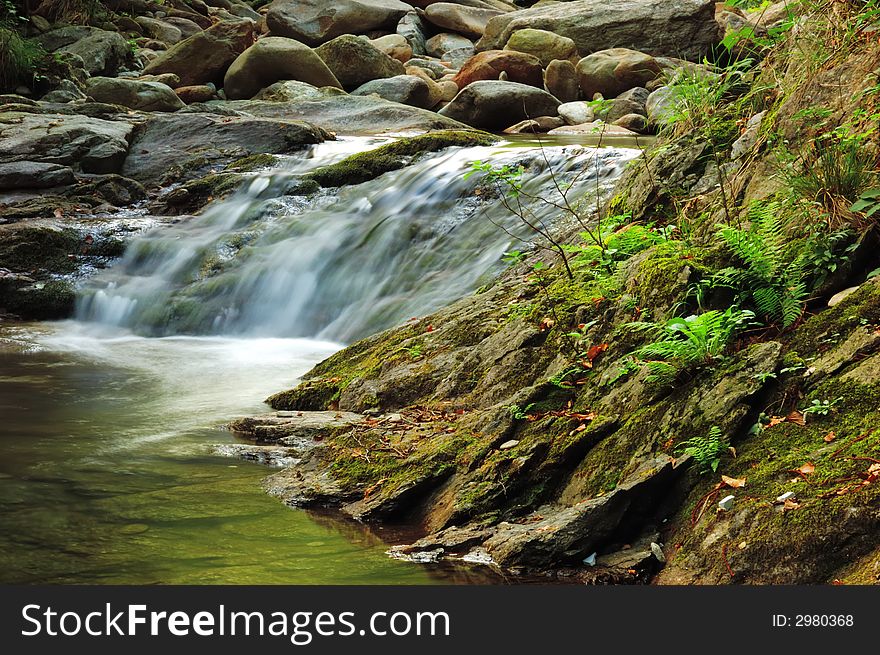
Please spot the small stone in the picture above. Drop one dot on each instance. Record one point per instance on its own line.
(591, 560)
(507, 445)
(657, 549)
(726, 503)
(838, 297)
(788, 495)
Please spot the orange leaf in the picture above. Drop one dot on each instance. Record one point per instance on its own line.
(595, 351)
(775, 420)
(547, 323)
(736, 483)
(828, 438)
(807, 469)
(790, 505)
(58, 213)
(797, 418)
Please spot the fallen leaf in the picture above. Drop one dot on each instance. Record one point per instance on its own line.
(595, 351)
(430, 328)
(828, 438)
(797, 418)
(775, 420)
(790, 505)
(807, 469)
(547, 323)
(58, 213)
(736, 483)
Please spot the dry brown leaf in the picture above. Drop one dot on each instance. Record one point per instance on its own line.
(775, 420)
(797, 418)
(807, 469)
(736, 483)
(828, 438)
(58, 213)
(790, 505)
(547, 323)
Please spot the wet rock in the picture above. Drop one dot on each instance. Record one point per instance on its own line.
(470, 21)
(205, 57)
(492, 104)
(405, 89)
(272, 456)
(439, 44)
(66, 91)
(685, 28)
(175, 146)
(597, 129)
(102, 52)
(134, 94)
(294, 91)
(611, 72)
(633, 122)
(538, 125)
(34, 175)
(458, 57)
(413, 29)
(272, 59)
(544, 45)
(561, 80)
(317, 21)
(90, 144)
(517, 66)
(301, 429)
(355, 61)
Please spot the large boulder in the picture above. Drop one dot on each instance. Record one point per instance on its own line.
(679, 28)
(439, 44)
(611, 72)
(102, 52)
(134, 94)
(355, 61)
(561, 80)
(173, 146)
(271, 59)
(293, 91)
(628, 102)
(544, 45)
(405, 89)
(93, 145)
(204, 57)
(470, 21)
(413, 29)
(317, 21)
(160, 30)
(34, 175)
(517, 66)
(493, 104)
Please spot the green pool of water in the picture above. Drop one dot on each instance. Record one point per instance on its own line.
(107, 474)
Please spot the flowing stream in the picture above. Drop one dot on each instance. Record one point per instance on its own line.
(106, 468)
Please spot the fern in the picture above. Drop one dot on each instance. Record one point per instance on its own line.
(706, 450)
(775, 287)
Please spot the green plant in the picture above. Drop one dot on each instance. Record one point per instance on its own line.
(520, 413)
(823, 253)
(868, 202)
(775, 287)
(684, 344)
(820, 407)
(707, 450)
(19, 58)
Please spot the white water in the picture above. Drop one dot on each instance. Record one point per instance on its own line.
(338, 266)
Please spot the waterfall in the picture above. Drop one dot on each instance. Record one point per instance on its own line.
(340, 264)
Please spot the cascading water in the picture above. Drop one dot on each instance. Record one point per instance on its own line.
(342, 264)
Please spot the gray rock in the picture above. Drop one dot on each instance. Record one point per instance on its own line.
(102, 52)
(561, 80)
(451, 17)
(134, 94)
(439, 44)
(660, 106)
(186, 26)
(629, 102)
(611, 72)
(34, 175)
(413, 29)
(749, 138)
(67, 91)
(272, 59)
(294, 91)
(355, 61)
(405, 89)
(167, 146)
(92, 144)
(160, 30)
(684, 28)
(634, 122)
(493, 104)
(317, 21)
(577, 113)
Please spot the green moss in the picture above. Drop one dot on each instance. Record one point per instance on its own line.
(253, 163)
(53, 300)
(40, 249)
(857, 309)
(365, 166)
(313, 395)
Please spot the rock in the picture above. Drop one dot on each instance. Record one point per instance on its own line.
(660, 106)
(205, 57)
(299, 429)
(519, 67)
(596, 129)
(726, 503)
(538, 125)
(91, 144)
(448, 90)
(544, 45)
(34, 175)
(275, 58)
(561, 80)
(685, 28)
(187, 26)
(611, 72)
(439, 44)
(395, 46)
(317, 21)
(413, 29)
(657, 551)
(470, 21)
(67, 91)
(458, 57)
(134, 94)
(840, 296)
(436, 92)
(405, 89)
(576, 113)
(492, 104)
(293, 91)
(196, 93)
(102, 52)
(746, 142)
(160, 30)
(435, 68)
(507, 445)
(629, 102)
(352, 115)
(170, 79)
(355, 61)
(633, 122)
(172, 146)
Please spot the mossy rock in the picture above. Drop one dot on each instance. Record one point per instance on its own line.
(311, 396)
(366, 166)
(53, 300)
(32, 249)
(253, 163)
(194, 195)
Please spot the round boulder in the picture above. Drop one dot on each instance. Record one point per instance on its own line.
(494, 104)
(544, 45)
(355, 61)
(489, 65)
(317, 21)
(611, 72)
(405, 89)
(271, 59)
(470, 21)
(134, 94)
(561, 79)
